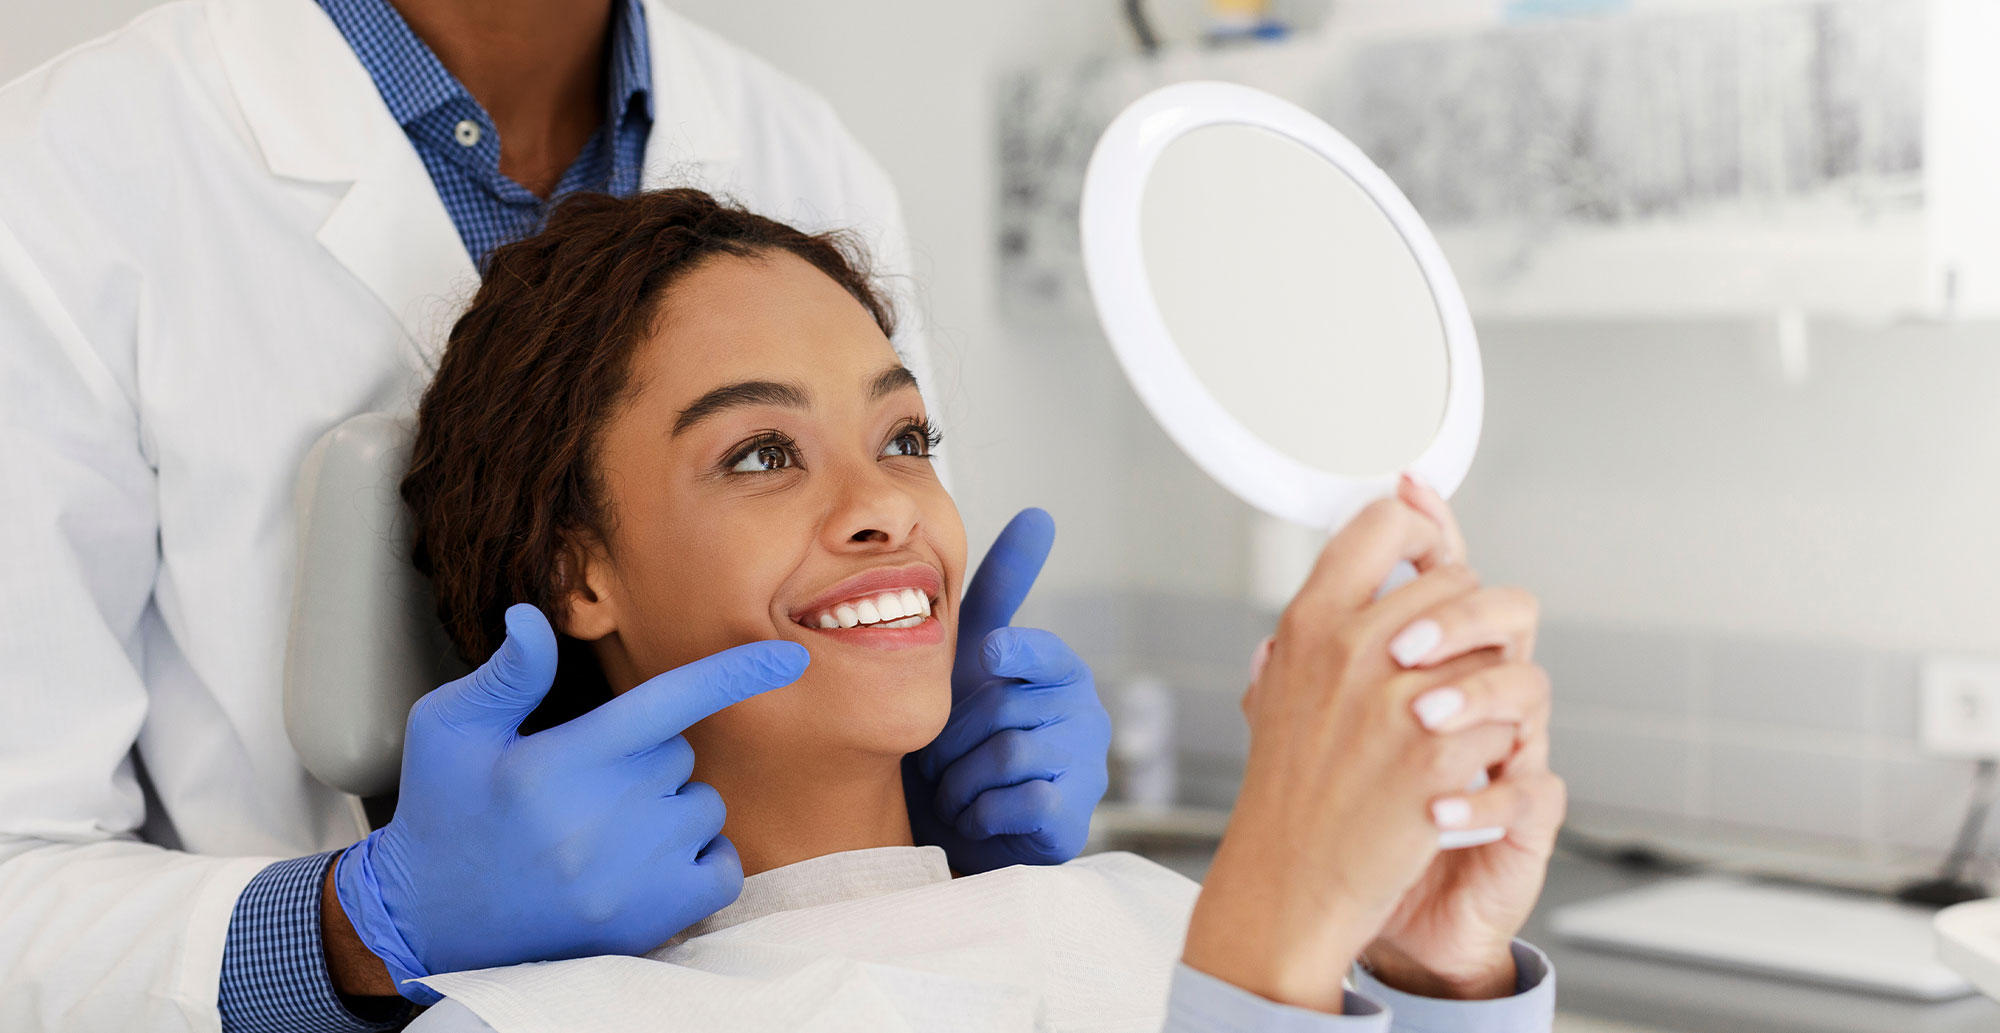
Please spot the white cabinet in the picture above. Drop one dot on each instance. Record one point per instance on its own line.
(1680, 158)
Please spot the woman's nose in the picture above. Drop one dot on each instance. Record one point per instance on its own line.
(871, 510)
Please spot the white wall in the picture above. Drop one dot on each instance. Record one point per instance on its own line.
(1642, 475)
(32, 31)
(1670, 476)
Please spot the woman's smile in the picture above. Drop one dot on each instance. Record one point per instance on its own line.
(890, 607)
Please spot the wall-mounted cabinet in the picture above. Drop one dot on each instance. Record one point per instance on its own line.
(1679, 158)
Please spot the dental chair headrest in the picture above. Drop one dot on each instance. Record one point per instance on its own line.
(365, 642)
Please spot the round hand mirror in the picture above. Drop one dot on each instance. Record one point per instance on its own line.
(1277, 304)
(1279, 307)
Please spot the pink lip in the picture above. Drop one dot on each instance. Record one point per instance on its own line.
(920, 576)
(929, 633)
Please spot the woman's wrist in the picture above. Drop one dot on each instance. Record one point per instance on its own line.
(1488, 975)
(1251, 940)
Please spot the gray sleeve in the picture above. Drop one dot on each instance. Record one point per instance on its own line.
(1201, 1003)
(1532, 1009)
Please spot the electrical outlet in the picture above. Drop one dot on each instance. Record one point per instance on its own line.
(1961, 706)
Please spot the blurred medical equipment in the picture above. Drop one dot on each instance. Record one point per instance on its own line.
(1279, 306)
(1968, 940)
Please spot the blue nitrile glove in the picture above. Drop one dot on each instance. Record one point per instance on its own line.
(583, 839)
(1020, 765)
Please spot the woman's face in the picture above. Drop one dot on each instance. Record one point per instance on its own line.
(766, 477)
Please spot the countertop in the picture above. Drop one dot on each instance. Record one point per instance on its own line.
(1682, 998)
(1671, 997)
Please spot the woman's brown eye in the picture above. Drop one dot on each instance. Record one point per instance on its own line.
(763, 459)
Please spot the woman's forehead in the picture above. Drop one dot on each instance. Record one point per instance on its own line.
(768, 317)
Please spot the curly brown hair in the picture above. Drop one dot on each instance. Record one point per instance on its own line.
(503, 478)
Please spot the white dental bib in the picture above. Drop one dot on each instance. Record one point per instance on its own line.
(878, 940)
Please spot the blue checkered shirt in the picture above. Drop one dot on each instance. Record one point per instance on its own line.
(274, 977)
(457, 140)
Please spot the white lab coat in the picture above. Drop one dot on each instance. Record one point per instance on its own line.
(215, 243)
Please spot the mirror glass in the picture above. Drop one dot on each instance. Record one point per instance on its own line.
(1294, 299)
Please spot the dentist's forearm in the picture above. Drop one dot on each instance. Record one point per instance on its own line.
(355, 970)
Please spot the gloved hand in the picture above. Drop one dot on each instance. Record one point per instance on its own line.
(583, 839)
(1020, 764)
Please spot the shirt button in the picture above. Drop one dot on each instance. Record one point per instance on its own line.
(466, 132)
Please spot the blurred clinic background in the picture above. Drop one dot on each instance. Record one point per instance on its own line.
(1734, 265)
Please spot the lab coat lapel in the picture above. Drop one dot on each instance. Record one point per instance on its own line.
(316, 116)
(693, 142)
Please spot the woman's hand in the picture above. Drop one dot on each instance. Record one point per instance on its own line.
(1451, 933)
(1334, 824)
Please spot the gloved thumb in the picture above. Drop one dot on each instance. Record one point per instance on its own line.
(509, 685)
(999, 587)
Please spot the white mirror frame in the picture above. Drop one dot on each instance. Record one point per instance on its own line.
(1114, 264)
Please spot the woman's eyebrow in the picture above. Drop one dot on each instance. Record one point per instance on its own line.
(739, 395)
(891, 380)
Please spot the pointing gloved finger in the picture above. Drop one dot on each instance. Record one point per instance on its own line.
(505, 689)
(1008, 757)
(1031, 655)
(1016, 810)
(998, 588)
(666, 705)
(1516, 693)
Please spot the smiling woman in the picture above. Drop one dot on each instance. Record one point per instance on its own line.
(665, 392)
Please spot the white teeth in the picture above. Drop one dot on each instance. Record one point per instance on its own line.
(900, 608)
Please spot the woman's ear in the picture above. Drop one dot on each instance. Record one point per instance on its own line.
(584, 571)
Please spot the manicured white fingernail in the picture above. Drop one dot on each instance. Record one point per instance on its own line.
(1437, 706)
(1451, 813)
(1416, 642)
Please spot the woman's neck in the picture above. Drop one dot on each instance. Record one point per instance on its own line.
(806, 811)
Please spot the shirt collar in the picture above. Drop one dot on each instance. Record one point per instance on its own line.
(630, 82)
(414, 83)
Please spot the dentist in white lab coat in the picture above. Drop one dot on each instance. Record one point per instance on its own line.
(217, 241)
(223, 230)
